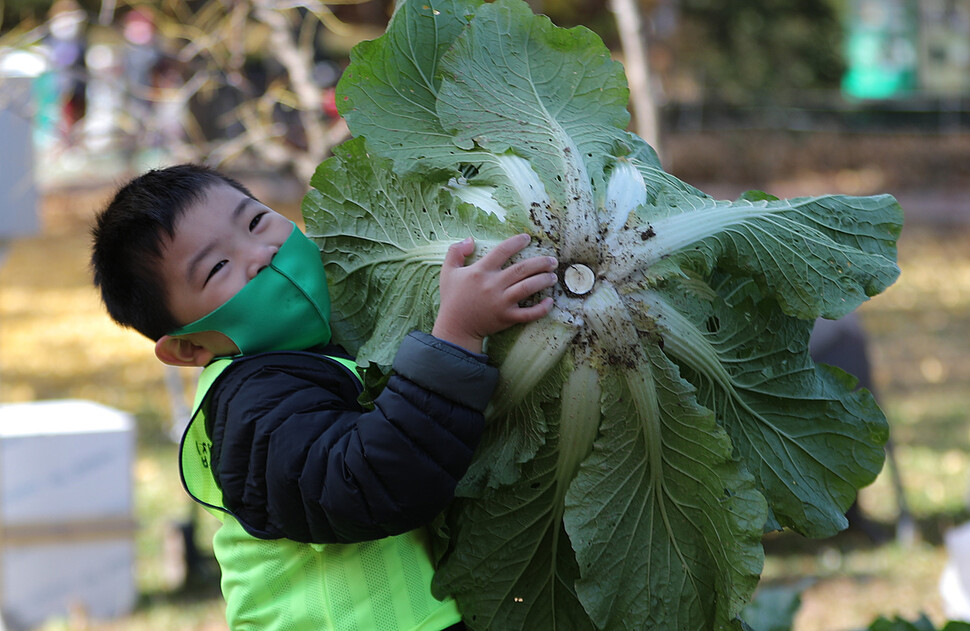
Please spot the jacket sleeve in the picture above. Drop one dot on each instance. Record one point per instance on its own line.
(297, 457)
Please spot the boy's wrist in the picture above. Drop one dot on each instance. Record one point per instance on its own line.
(471, 343)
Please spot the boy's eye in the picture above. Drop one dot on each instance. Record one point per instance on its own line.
(255, 221)
(218, 266)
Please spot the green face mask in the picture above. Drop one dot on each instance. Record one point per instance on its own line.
(286, 306)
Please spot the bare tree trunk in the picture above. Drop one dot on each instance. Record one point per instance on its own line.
(629, 23)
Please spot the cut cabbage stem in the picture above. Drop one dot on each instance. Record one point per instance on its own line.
(579, 278)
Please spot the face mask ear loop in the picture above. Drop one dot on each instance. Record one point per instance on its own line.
(203, 329)
(236, 344)
(202, 325)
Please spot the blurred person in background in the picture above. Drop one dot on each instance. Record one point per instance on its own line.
(140, 59)
(844, 344)
(67, 45)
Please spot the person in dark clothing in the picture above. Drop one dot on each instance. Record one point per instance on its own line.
(844, 344)
(322, 502)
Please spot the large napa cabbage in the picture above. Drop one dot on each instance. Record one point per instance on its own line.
(648, 431)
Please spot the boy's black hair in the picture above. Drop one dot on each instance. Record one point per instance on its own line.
(130, 234)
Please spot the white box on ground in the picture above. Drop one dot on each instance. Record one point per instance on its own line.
(66, 511)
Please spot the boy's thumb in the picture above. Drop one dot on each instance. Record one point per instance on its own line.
(458, 252)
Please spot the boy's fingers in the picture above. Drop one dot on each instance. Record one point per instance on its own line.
(530, 285)
(529, 267)
(506, 250)
(534, 312)
(458, 252)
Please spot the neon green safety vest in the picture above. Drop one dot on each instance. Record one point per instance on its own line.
(284, 585)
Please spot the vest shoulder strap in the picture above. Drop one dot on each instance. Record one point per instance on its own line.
(194, 451)
(208, 377)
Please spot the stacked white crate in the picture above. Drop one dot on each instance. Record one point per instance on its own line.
(66, 512)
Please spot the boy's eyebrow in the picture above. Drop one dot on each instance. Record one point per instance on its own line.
(204, 252)
(241, 206)
(195, 260)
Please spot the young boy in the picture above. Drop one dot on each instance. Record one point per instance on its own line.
(323, 503)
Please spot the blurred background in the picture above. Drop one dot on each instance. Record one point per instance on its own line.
(795, 98)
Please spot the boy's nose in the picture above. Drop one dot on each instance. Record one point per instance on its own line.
(261, 259)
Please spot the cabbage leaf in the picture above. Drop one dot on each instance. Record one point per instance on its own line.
(666, 413)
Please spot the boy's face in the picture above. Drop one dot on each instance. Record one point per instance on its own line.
(219, 245)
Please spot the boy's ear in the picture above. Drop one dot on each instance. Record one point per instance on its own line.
(179, 351)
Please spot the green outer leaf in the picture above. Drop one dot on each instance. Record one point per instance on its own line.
(660, 515)
(383, 240)
(513, 81)
(809, 440)
(524, 578)
(837, 252)
(389, 90)
(821, 256)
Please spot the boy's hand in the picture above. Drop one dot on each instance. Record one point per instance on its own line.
(483, 298)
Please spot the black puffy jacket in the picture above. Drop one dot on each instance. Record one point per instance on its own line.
(297, 457)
